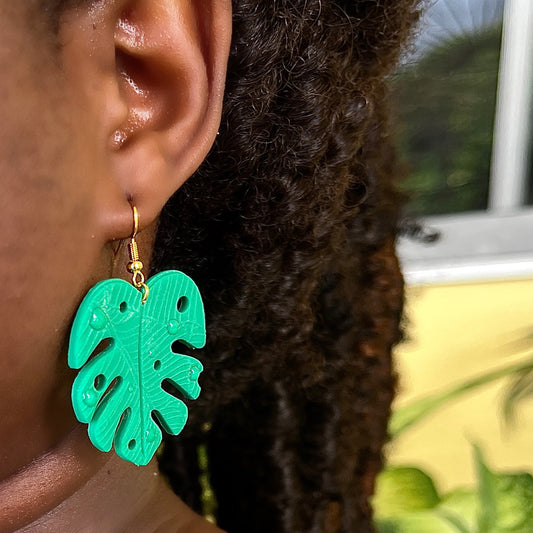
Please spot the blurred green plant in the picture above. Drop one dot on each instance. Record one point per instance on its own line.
(407, 501)
(520, 387)
(209, 502)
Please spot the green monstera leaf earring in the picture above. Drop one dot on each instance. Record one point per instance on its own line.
(118, 391)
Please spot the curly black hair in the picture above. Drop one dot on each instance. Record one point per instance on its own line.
(288, 228)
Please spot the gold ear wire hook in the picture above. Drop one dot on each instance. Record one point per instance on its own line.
(135, 265)
(135, 222)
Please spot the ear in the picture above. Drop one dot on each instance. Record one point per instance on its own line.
(154, 74)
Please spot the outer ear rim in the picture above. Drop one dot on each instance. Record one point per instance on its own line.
(148, 172)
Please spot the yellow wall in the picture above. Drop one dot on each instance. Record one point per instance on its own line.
(457, 332)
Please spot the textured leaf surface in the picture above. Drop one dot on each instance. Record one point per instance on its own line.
(118, 391)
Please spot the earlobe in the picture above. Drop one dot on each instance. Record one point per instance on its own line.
(169, 72)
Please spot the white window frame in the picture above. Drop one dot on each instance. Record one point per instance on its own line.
(510, 157)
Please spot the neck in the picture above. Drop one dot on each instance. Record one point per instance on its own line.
(74, 487)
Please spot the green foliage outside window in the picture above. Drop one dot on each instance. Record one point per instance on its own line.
(446, 103)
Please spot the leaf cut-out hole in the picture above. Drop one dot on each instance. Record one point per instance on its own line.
(183, 303)
(181, 347)
(123, 307)
(109, 388)
(103, 345)
(157, 365)
(172, 388)
(132, 443)
(99, 382)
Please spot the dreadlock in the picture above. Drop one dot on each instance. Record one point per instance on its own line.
(288, 228)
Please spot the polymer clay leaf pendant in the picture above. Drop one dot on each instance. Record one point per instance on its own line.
(118, 391)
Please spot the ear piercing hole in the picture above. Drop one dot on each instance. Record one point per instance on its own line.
(157, 365)
(123, 307)
(132, 443)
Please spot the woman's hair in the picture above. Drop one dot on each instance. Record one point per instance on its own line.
(288, 228)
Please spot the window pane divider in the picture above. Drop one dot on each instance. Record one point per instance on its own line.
(513, 109)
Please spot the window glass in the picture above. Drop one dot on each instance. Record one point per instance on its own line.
(446, 99)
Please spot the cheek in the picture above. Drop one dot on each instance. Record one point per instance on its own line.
(50, 250)
(47, 212)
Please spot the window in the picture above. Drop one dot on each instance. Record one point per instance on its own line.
(465, 111)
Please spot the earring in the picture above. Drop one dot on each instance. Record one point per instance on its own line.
(132, 332)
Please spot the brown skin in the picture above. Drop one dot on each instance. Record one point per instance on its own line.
(124, 110)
